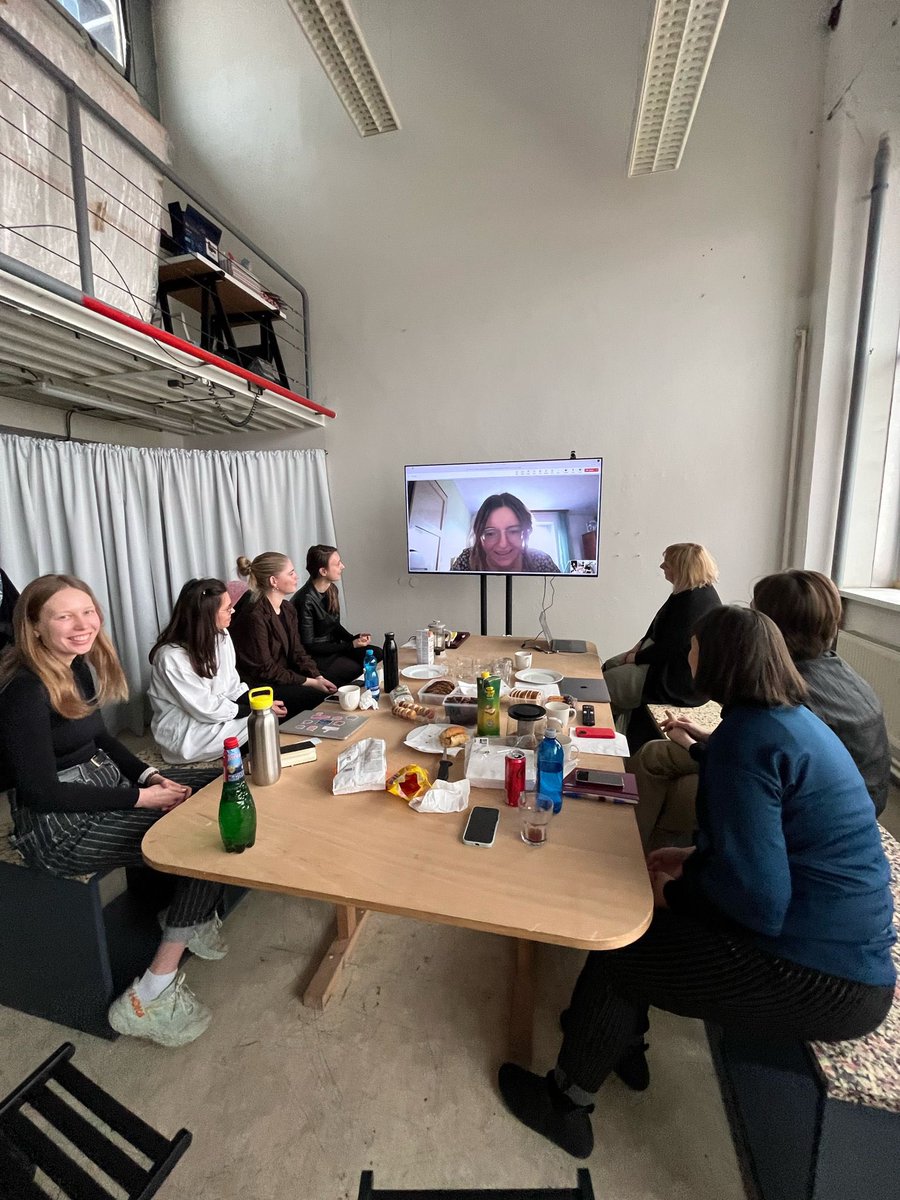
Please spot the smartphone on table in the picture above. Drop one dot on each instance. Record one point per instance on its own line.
(608, 779)
(481, 826)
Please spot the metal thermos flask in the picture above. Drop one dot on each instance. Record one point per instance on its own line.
(262, 734)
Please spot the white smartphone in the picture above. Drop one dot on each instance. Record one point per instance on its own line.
(481, 826)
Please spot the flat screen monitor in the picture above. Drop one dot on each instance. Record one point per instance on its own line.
(504, 518)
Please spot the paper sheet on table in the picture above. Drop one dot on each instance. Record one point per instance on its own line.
(617, 746)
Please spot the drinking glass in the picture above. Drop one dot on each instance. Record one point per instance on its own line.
(536, 813)
(503, 668)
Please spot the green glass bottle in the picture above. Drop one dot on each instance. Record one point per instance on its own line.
(237, 812)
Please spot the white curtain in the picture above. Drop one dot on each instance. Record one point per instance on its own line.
(136, 524)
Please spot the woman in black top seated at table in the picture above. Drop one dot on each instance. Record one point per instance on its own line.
(339, 654)
(266, 635)
(655, 670)
(82, 802)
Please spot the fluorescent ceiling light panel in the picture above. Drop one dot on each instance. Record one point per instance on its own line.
(335, 37)
(682, 41)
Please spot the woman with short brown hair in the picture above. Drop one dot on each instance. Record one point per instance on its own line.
(776, 924)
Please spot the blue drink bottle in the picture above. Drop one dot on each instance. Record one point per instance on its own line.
(550, 771)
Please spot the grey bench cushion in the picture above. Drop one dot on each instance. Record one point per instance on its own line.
(867, 1070)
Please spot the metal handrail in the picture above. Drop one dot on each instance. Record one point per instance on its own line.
(77, 99)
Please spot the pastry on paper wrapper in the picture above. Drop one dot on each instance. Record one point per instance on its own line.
(453, 735)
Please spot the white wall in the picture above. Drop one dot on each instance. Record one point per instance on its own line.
(487, 283)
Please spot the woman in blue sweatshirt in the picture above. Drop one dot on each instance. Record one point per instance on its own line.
(778, 923)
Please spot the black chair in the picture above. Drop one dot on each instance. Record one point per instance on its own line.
(582, 1191)
(28, 1146)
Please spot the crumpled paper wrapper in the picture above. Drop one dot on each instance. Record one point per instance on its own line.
(444, 797)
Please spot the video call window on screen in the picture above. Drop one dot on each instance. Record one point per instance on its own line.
(522, 518)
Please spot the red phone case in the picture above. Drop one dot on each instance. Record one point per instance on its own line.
(591, 731)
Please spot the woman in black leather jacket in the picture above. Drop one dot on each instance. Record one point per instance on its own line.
(338, 653)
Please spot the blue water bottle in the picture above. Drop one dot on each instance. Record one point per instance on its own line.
(550, 771)
(370, 669)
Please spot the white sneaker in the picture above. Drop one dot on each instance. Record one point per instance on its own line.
(174, 1018)
(206, 941)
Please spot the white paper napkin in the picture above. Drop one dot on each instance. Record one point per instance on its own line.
(444, 797)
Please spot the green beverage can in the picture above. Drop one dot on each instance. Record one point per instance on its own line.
(488, 705)
(237, 812)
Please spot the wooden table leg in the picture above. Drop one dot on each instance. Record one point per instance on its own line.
(350, 921)
(521, 1009)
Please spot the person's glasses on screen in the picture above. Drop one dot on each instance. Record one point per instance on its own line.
(491, 537)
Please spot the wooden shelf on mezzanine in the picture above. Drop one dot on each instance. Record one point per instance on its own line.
(90, 358)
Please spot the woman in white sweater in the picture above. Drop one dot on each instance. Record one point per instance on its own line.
(197, 696)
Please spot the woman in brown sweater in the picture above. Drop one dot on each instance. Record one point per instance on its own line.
(266, 635)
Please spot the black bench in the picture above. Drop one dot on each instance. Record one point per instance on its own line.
(818, 1121)
(69, 946)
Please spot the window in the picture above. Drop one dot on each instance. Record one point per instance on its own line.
(104, 21)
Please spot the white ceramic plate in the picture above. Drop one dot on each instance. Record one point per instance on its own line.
(538, 678)
(423, 671)
(427, 740)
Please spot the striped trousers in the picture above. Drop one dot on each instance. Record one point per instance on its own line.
(71, 843)
(694, 970)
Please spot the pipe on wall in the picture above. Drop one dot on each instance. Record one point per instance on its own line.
(861, 356)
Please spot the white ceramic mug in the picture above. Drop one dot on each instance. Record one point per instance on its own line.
(560, 713)
(523, 660)
(348, 696)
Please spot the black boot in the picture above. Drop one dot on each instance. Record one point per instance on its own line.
(539, 1104)
(632, 1067)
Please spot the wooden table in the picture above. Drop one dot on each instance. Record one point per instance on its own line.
(586, 888)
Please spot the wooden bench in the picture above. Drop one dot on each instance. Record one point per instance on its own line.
(818, 1121)
(69, 946)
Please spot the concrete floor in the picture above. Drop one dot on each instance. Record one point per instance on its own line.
(397, 1074)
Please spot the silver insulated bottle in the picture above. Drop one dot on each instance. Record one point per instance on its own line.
(262, 733)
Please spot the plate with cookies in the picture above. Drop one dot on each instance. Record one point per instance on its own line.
(435, 739)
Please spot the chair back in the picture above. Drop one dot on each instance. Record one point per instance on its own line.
(27, 1147)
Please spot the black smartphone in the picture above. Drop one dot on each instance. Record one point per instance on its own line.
(481, 826)
(294, 746)
(587, 714)
(609, 779)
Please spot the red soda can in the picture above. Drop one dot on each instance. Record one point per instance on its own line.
(515, 777)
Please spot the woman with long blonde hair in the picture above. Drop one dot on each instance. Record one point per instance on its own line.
(266, 635)
(655, 670)
(82, 801)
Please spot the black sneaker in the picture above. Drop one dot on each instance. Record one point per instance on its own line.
(539, 1104)
(631, 1068)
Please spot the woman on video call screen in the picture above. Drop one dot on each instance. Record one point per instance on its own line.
(504, 518)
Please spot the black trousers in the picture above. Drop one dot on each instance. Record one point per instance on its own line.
(71, 843)
(296, 697)
(345, 667)
(684, 967)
